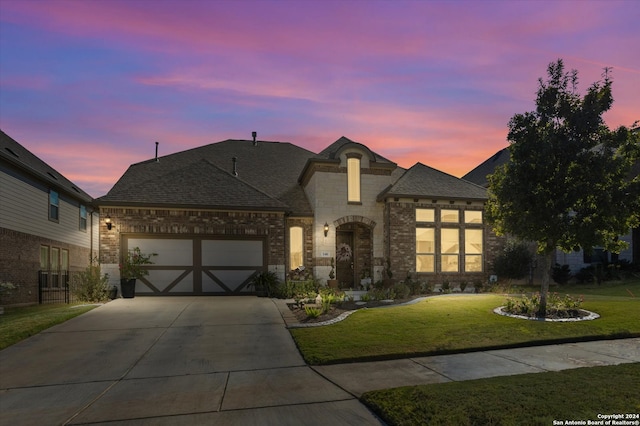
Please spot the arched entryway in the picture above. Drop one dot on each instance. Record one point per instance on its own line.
(354, 253)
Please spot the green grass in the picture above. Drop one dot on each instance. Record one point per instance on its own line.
(17, 324)
(529, 399)
(459, 323)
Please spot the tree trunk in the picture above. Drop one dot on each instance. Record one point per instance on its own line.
(547, 260)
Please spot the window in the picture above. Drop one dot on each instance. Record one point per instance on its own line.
(425, 215)
(295, 247)
(425, 250)
(439, 246)
(55, 258)
(449, 216)
(83, 218)
(449, 249)
(353, 178)
(64, 260)
(55, 266)
(473, 216)
(53, 205)
(473, 250)
(44, 258)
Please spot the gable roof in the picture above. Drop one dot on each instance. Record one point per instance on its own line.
(27, 162)
(422, 181)
(480, 173)
(332, 151)
(267, 178)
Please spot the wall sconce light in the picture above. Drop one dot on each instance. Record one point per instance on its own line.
(107, 220)
(326, 229)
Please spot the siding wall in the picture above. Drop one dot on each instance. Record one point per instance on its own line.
(25, 226)
(25, 208)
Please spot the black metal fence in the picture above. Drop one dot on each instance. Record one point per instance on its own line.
(53, 287)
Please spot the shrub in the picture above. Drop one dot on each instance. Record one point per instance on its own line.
(463, 286)
(299, 290)
(561, 273)
(401, 291)
(426, 287)
(412, 285)
(585, 275)
(266, 282)
(514, 260)
(557, 306)
(477, 286)
(90, 285)
(312, 311)
(133, 264)
(446, 287)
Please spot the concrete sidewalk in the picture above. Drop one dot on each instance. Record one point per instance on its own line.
(363, 377)
(358, 378)
(229, 361)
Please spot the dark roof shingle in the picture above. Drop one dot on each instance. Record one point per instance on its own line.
(271, 168)
(14, 153)
(422, 181)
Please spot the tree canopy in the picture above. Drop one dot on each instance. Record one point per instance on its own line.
(569, 181)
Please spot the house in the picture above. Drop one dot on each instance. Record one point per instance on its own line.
(218, 214)
(577, 259)
(47, 225)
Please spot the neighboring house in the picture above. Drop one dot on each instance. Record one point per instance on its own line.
(218, 214)
(47, 224)
(577, 259)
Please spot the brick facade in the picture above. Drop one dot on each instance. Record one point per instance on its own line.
(400, 241)
(307, 234)
(270, 225)
(20, 263)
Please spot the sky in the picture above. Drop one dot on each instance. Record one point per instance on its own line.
(90, 85)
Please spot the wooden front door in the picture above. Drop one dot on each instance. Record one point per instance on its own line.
(344, 259)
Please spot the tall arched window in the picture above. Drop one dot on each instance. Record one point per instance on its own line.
(296, 245)
(353, 177)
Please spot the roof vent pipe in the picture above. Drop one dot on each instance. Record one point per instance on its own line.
(254, 135)
(157, 143)
(235, 168)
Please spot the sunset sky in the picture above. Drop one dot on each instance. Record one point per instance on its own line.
(89, 86)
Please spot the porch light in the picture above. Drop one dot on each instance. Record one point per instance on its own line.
(107, 220)
(326, 229)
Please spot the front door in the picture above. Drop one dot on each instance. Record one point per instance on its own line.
(344, 259)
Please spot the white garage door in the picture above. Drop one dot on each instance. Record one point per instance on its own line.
(198, 265)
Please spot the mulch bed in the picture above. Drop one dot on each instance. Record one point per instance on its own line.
(339, 308)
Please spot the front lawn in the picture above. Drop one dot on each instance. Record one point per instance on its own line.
(458, 323)
(17, 324)
(529, 399)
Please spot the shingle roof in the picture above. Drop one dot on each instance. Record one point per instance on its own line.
(270, 169)
(480, 173)
(422, 181)
(17, 155)
(200, 184)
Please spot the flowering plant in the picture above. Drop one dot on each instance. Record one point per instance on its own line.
(6, 286)
(343, 254)
(131, 267)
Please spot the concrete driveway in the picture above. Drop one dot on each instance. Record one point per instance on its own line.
(170, 360)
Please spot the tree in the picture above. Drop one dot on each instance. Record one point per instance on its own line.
(568, 184)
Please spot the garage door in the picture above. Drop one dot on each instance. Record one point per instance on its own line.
(199, 265)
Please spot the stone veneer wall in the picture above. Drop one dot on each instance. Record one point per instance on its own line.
(189, 222)
(400, 244)
(20, 263)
